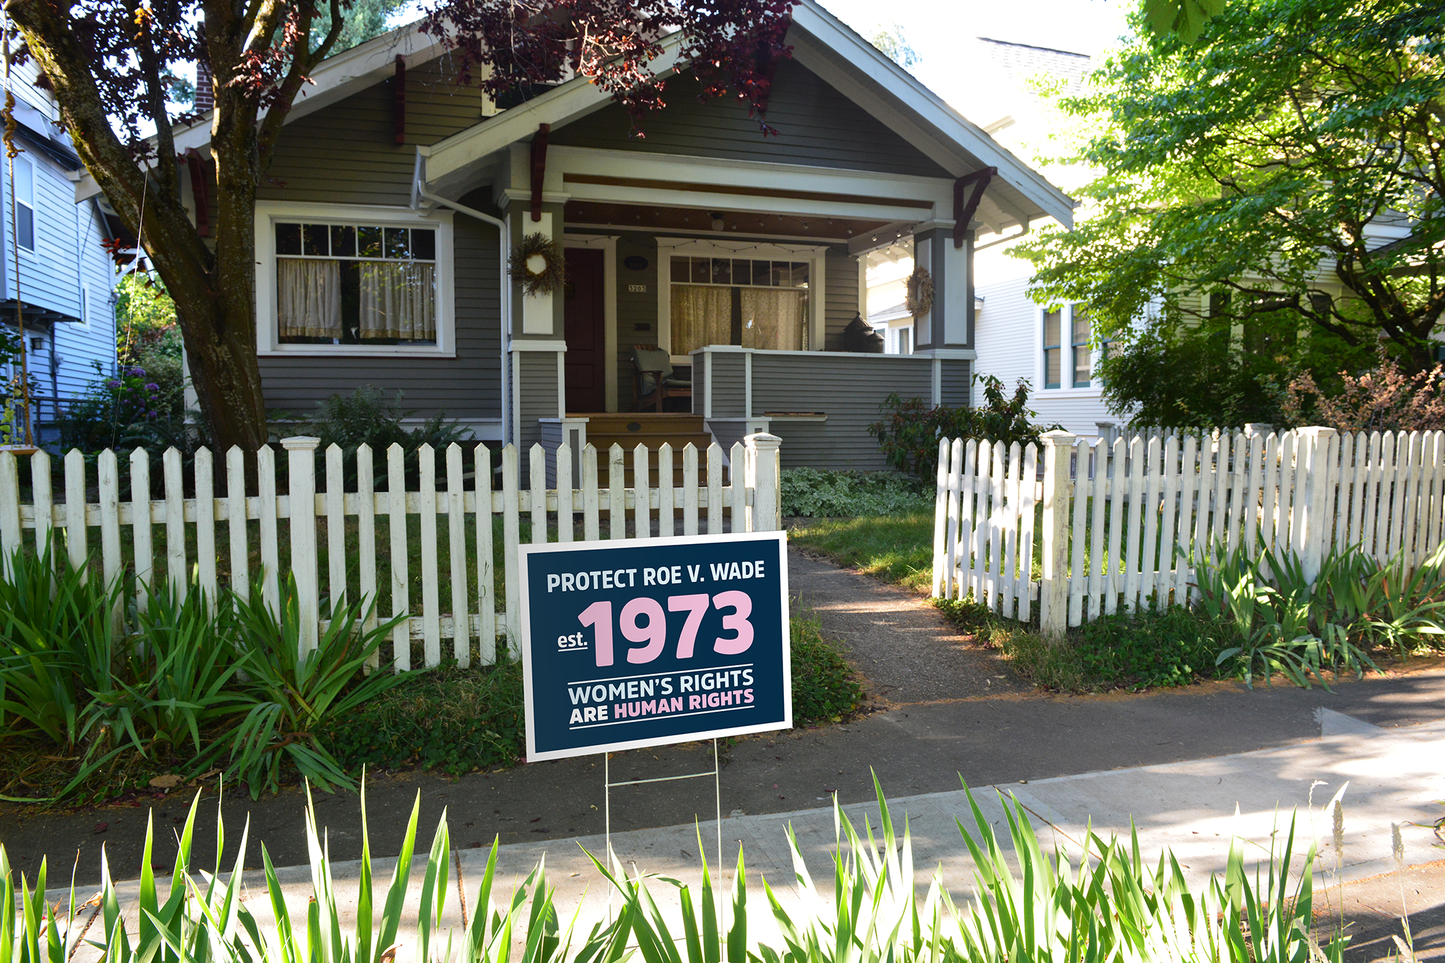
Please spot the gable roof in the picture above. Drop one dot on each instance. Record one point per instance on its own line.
(821, 42)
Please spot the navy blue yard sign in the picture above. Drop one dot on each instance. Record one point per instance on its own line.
(644, 643)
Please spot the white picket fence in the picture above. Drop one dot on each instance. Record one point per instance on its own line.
(1070, 540)
(740, 494)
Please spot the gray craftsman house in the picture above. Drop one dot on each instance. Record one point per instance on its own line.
(386, 223)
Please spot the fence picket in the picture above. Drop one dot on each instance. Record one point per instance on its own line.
(537, 476)
(1029, 489)
(44, 502)
(10, 538)
(566, 517)
(110, 560)
(1355, 533)
(1234, 510)
(176, 569)
(205, 526)
(1284, 505)
(240, 560)
(1345, 473)
(1169, 479)
(75, 534)
(1078, 534)
(946, 566)
(978, 581)
(140, 518)
(641, 494)
(591, 512)
(396, 524)
(1148, 573)
(366, 539)
(1204, 484)
(1219, 503)
(1269, 493)
(1372, 492)
(616, 493)
(511, 539)
(457, 550)
(335, 530)
(741, 517)
(689, 489)
(1135, 531)
(1008, 575)
(486, 593)
(960, 559)
(1119, 485)
(1254, 468)
(1392, 492)
(1183, 543)
(666, 510)
(714, 489)
(942, 521)
(1098, 560)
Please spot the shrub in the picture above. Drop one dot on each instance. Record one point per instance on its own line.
(818, 493)
(365, 417)
(910, 431)
(1383, 398)
(1151, 647)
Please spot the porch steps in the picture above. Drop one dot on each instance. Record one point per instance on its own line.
(631, 428)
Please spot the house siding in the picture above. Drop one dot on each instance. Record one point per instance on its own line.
(848, 389)
(538, 389)
(1010, 347)
(816, 125)
(347, 153)
(467, 387)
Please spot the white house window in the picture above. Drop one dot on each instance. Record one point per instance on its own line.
(344, 280)
(25, 203)
(355, 284)
(1053, 357)
(750, 302)
(1080, 346)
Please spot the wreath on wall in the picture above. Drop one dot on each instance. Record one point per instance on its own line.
(538, 263)
(919, 296)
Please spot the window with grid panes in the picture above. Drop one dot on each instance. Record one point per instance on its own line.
(1053, 350)
(1079, 322)
(750, 302)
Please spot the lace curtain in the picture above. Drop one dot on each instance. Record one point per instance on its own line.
(700, 316)
(308, 295)
(398, 301)
(773, 318)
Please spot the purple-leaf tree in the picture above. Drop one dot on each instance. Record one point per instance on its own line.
(111, 65)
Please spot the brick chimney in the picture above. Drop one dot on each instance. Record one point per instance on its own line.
(205, 87)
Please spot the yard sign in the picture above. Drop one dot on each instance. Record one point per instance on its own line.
(646, 643)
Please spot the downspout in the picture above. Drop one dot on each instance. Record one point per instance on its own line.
(419, 193)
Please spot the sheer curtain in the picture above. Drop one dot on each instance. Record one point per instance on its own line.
(700, 316)
(308, 298)
(773, 318)
(397, 301)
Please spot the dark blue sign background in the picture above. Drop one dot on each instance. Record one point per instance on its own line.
(698, 631)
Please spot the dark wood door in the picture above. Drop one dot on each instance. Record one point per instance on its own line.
(586, 345)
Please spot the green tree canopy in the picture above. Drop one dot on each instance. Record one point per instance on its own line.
(1268, 197)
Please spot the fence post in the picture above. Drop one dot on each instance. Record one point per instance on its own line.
(1315, 476)
(763, 479)
(301, 474)
(1054, 588)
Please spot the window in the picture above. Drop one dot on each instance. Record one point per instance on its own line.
(750, 302)
(905, 340)
(1053, 359)
(1080, 346)
(345, 280)
(755, 296)
(25, 203)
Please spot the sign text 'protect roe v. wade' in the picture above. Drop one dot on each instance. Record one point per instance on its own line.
(655, 641)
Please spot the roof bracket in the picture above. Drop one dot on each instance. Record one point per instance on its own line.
(539, 167)
(963, 212)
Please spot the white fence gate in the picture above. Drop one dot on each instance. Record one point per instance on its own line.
(1102, 526)
(276, 533)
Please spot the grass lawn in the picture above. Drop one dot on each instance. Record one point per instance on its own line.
(895, 548)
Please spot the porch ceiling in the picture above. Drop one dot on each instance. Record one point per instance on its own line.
(699, 221)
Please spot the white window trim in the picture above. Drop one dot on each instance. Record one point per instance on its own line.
(1066, 327)
(816, 255)
(34, 250)
(268, 345)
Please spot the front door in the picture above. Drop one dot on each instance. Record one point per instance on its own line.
(586, 344)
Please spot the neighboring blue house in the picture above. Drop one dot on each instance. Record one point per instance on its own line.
(54, 265)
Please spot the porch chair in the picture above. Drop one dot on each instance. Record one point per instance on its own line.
(653, 377)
